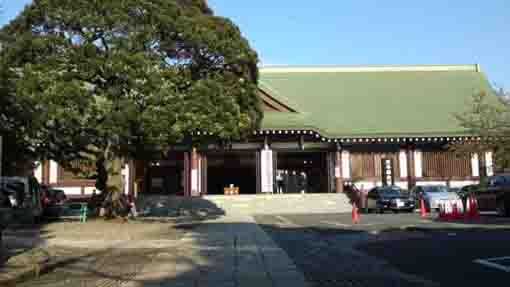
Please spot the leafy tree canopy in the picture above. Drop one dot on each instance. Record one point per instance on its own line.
(488, 117)
(122, 75)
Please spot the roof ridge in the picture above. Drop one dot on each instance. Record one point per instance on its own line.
(368, 68)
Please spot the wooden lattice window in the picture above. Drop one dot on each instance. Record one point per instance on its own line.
(445, 164)
(368, 164)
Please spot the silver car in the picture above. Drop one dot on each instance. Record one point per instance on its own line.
(433, 194)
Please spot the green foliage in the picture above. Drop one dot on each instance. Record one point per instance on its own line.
(78, 77)
(488, 118)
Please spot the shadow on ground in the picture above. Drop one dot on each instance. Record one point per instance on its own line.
(215, 252)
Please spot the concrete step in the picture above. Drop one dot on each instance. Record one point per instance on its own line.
(282, 203)
(245, 204)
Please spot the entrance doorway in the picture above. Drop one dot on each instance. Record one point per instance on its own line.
(237, 168)
(166, 177)
(312, 164)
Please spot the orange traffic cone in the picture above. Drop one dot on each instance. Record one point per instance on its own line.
(467, 209)
(355, 215)
(423, 210)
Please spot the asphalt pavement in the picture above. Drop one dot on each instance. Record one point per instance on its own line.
(394, 249)
(449, 256)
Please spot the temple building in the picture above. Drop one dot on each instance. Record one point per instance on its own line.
(326, 127)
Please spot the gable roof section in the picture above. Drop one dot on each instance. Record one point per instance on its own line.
(272, 104)
(372, 101)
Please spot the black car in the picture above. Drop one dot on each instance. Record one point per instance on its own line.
(53, 201)
(391, 198)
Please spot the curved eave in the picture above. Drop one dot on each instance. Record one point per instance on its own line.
(371, 139)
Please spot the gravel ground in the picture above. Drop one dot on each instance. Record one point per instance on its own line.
(90, 266)
(83, 268)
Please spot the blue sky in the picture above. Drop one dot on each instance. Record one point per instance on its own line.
(347, 32)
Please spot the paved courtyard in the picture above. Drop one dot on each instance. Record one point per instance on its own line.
(231, 251)
(269, 250)
(391, 249)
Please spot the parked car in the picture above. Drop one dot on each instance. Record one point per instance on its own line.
(391, 198)
(22, 195)
(432, 195)
(53, 201)
(467, 190)
(53, 196)
(493, 193)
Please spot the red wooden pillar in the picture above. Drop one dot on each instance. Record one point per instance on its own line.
(46, 172)
(338, 173)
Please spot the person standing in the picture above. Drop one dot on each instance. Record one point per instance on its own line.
(302, 182)
(279, 181)
(285, 181)
(293, 182)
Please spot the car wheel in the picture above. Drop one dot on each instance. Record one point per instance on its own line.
(501, 209)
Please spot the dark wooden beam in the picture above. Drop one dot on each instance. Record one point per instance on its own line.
(411, 178)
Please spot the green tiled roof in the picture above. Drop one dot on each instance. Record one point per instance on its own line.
(382, 101)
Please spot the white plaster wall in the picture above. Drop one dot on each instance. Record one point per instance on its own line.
(367, 185)
(475, 167)
(420, 183)
(53, 172)
(346, 164)
(403, 163)
(459, 184)
(418, 164)
(401, 184)
(489, 163)
(71, 190)
(89, 190)
(38, 172)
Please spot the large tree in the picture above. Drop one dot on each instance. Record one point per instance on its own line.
(488, 118)
(114, 79)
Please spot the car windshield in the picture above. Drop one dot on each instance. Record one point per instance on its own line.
(12, 187)
(435, 188)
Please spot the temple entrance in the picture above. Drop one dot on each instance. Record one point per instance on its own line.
(232, 168)
(166, 177)
(299, 172)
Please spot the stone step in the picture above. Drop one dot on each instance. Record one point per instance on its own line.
(282, 204)
(247, 204)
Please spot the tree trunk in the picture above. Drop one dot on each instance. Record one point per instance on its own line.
(110, 183)
(114, 188)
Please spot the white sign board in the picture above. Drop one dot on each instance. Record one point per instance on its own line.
(267, 170)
